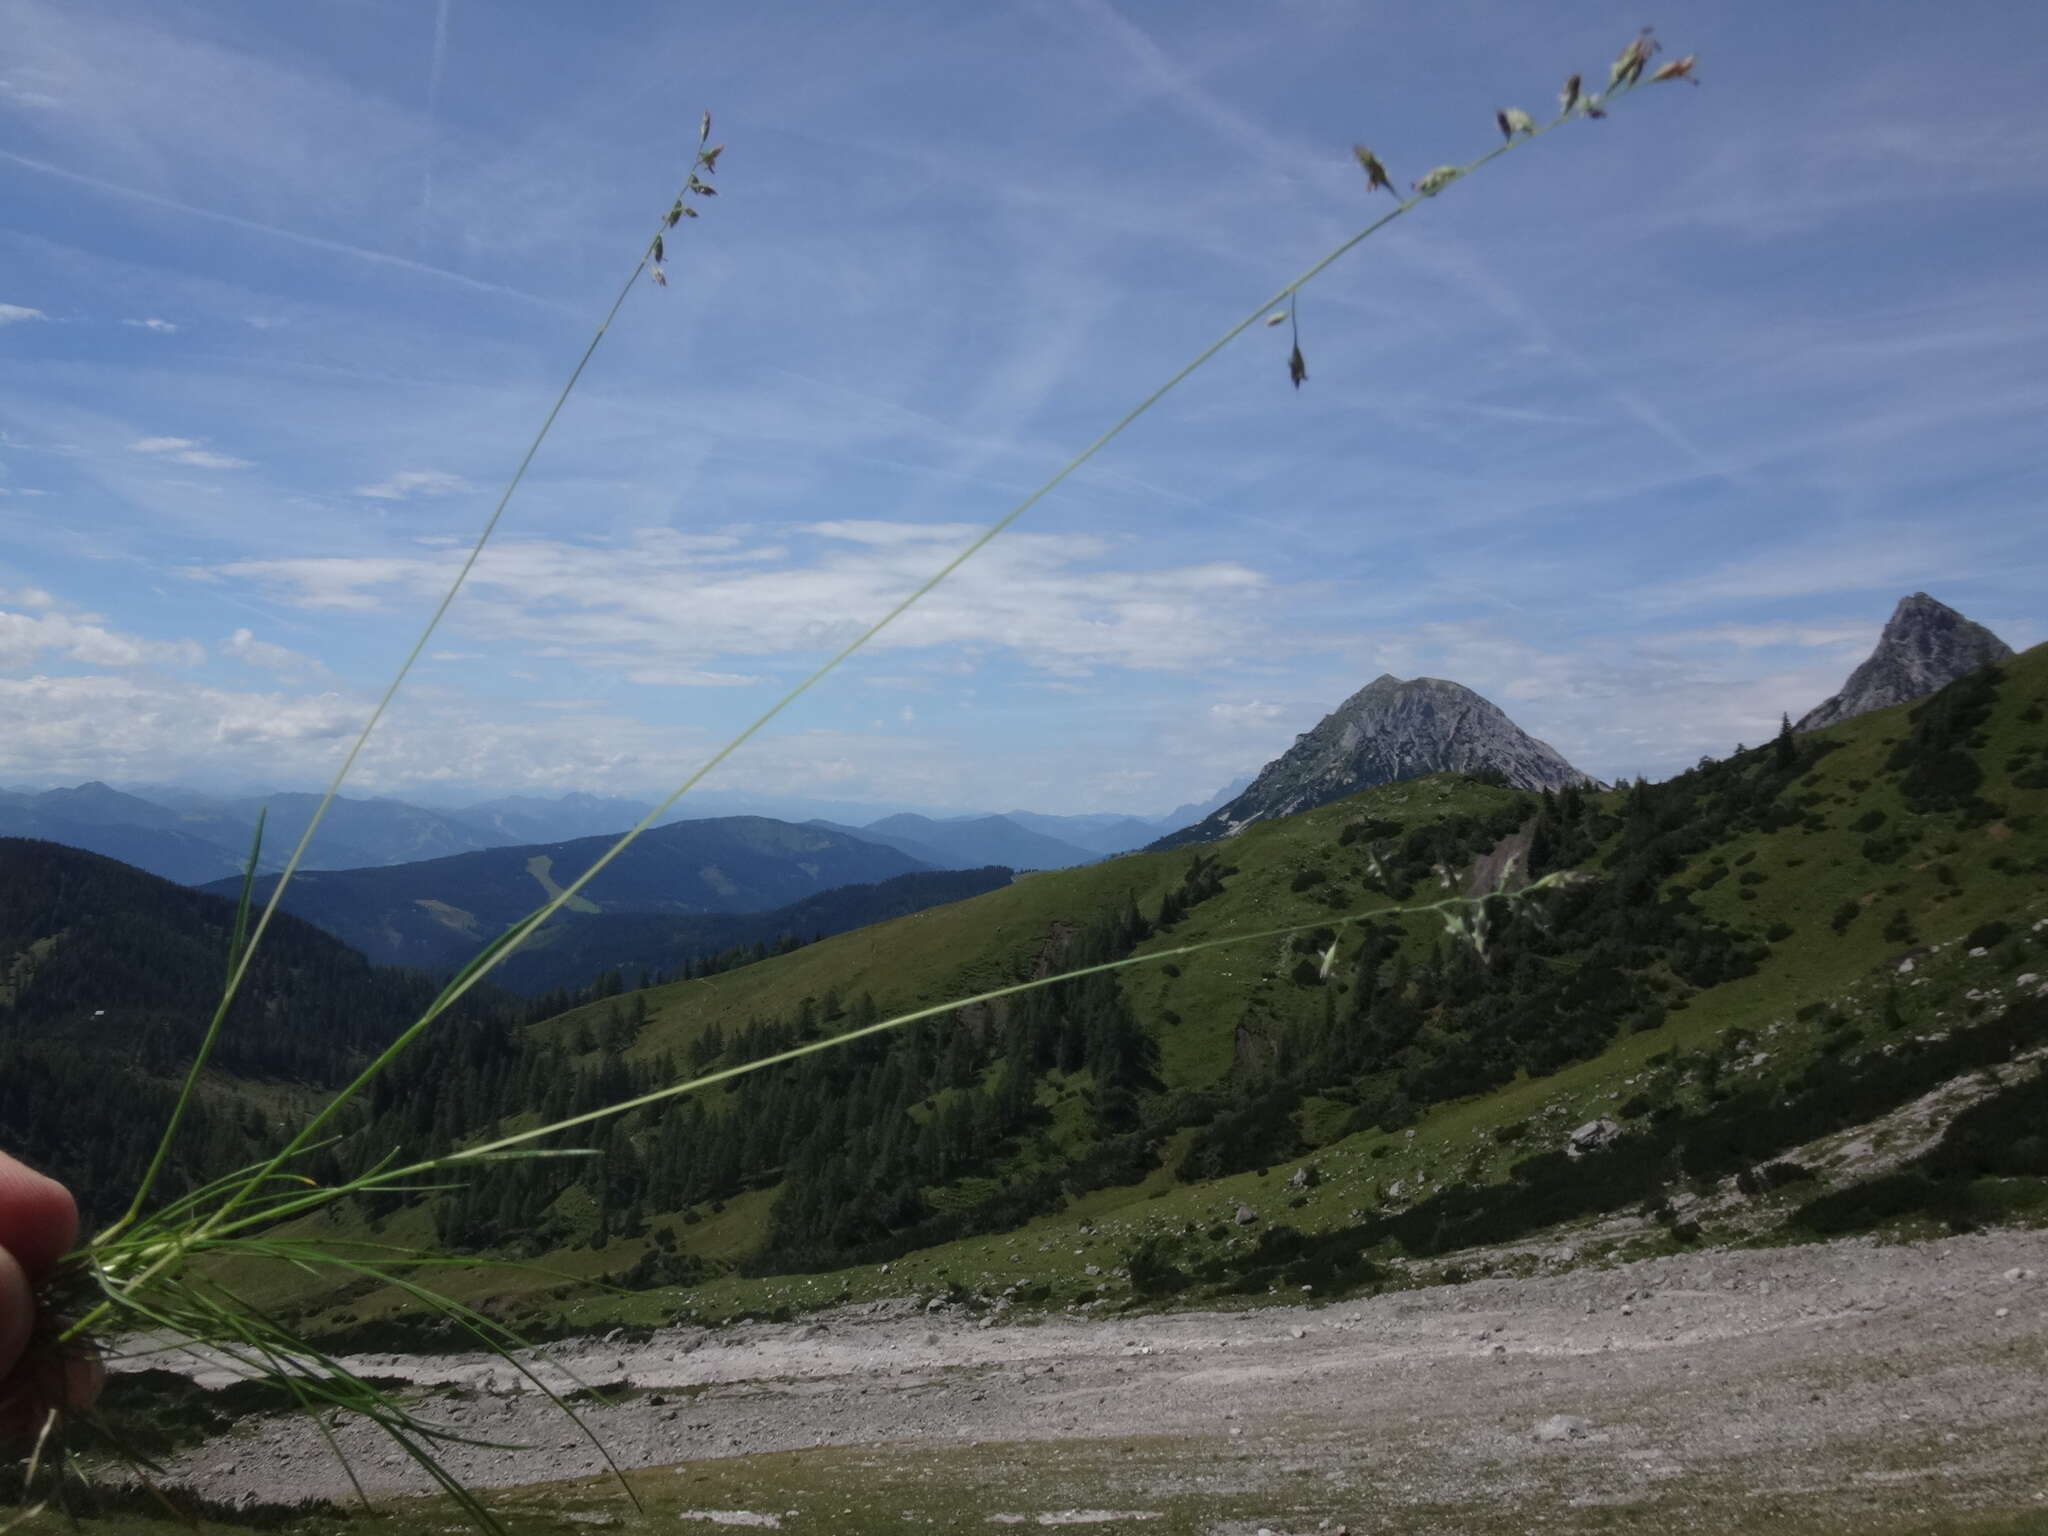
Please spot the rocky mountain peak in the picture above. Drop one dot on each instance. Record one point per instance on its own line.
(1926, 645)
(1387, 731)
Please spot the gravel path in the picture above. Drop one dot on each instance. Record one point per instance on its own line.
(1785, 1371)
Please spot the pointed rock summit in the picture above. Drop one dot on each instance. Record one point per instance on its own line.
(1926, 646)
(1386, 731)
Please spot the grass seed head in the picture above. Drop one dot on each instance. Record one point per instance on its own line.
(1375, 173)
(1627, 68)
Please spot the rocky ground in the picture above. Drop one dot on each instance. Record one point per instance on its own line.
(1872, 1382)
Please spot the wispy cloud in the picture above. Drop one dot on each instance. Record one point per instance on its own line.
(689, 601)
(267, 656)
(1246, 713)
(1890, 558)
(188, 451)
(13, 314)
(271, 231)
(152, 323)
(408, 483)
(437, 65)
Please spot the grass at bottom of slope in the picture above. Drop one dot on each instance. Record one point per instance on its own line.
(1157, 1486)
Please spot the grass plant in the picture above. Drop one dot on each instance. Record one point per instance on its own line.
(151, 1276)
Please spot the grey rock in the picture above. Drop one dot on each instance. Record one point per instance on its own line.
(1245, 1216)
(1926, 646)
(1591, 1136)
(1305, 1177)
(1388, 731)
(1560, 1426)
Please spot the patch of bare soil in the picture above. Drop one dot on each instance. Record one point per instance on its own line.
(1906, 1377)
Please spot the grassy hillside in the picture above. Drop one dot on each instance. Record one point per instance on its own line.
(1766, 951)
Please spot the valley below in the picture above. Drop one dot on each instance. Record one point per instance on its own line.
(1827, 1387)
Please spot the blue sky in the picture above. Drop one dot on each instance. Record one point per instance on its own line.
(1641, 433)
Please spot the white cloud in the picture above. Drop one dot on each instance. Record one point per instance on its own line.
(11, 313)
(690, 677)
(83, 638)
(1848, 635)
(671, 606)
(161, 327)
(137, 725)
(186, 450)
(20, 90)
(408, 483)
(892, 535)
(267, 656)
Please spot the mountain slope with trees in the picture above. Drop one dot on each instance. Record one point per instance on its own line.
(108, 977)
(1744, 897)
(1723, 965)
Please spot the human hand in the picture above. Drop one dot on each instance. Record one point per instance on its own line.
(38, 1225)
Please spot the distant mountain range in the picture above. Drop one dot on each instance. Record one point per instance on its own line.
(188, 849)
(203, 838)
(436, 913)
(1387, 731)
(969, 842)
(185, 835)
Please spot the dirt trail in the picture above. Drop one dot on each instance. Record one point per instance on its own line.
(1786, 1371)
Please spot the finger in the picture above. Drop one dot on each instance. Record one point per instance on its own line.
(38, 1218)
(17, 1314)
